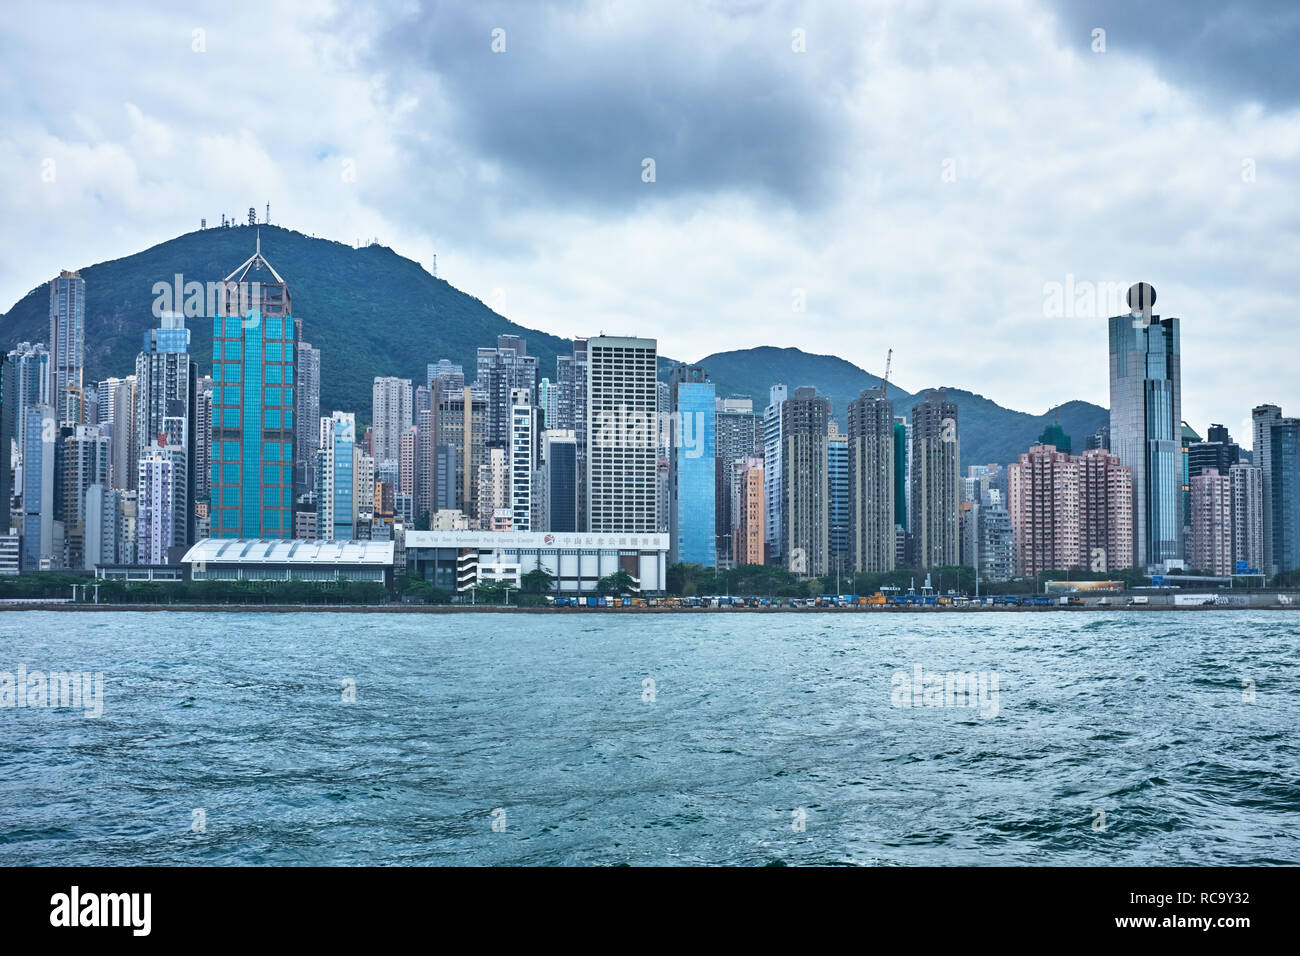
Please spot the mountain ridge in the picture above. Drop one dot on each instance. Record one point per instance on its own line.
(374, 312)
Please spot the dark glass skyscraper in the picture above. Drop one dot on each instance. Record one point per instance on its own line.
(1146, 424)
(1285, 488)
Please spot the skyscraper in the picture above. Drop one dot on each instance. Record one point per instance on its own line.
(335, 482)
(805, 482)
(837, 483)
(737, 441)
(39, 437)
(750, 514)
(525, 446)
(67, 340)
(936, 482)
(571, 412)
(392, 414)
(622, 490)
(501, 371)
(166, 380)
(692, 469)
(9, 434)
(871, 483)
(1146, 423)
(1210, 546)
(31, 376)
(1263, 418)
(1284, 461)
(155, 516)
(254, 340)
(1070, 511)
(307, 422)
(560, 465)
(1247, 488)
(462, 419)
(86, 457)
(772, 473)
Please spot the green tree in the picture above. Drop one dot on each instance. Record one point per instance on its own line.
(538, 581)
(620, 582)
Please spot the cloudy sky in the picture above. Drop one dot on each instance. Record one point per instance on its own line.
(917, 175)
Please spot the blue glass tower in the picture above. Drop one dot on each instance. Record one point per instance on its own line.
(253, 349)
(691, 465)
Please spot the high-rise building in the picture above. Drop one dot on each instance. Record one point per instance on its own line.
(805, 482)
(935, 482)
(1263, 418)
(501, 371)
(622, 490)
(1210, 545)
(772, 474)
(447, 373)
(202, 441)
(254, 341)
(335, 477)
(166, 382)
(67, 341)
(571, 412)
(86, 457)
(406, 462)
(1284, 461)
(307, 422)
(493, 485)
(560, 491)
(1218, 451)
(737, 441)
(525, 448)
(103, 524)
(10, 434)
(32, 377)
(692, 469)
(40, 435)
(1247, 488)
(155, 528)
(871, 477)
(363, 493)
(750, 513)
(462, 420)
(1146, 424)
(1070, 511)
(392, 414)
(837, 482)
(546, 396)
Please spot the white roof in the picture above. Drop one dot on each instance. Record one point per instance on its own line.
(289, 551)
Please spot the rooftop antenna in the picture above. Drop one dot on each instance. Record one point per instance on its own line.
(267, 220)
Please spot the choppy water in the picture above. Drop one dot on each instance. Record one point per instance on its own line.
(754, 720)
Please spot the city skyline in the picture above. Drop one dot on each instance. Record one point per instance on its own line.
(566, 238)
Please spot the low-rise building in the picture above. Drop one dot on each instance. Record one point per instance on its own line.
(457, 560)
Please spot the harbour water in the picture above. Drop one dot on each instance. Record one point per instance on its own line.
(1051, 738)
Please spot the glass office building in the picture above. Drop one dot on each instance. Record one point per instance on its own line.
(692, 478)
(253, 350)
(1284, 461)
(1146, 428)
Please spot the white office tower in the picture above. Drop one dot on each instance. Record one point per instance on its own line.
(155, 514)
(335, 491)
(772, 472)
(622, 399)
(525, 422)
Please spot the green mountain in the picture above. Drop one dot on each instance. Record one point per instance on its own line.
(372, 312)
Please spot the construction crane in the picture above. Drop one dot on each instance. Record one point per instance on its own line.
(884, 383)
